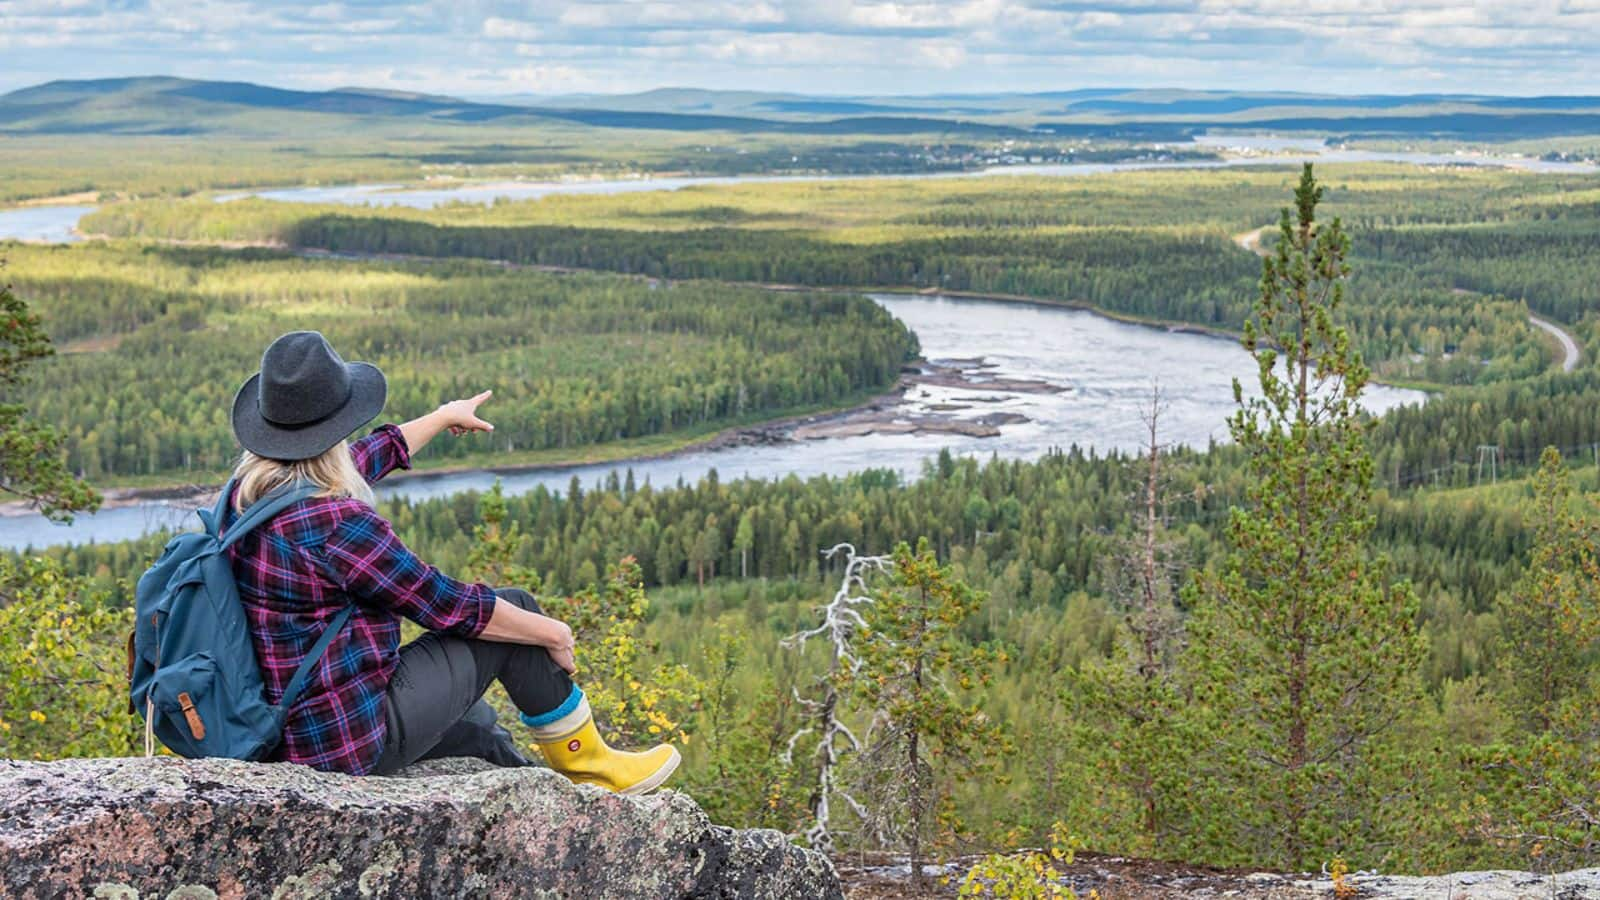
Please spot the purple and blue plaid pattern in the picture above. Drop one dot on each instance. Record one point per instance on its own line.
(296, 571)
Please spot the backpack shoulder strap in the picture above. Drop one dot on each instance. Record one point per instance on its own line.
(297, 683)
(264, 509)
(212, 518)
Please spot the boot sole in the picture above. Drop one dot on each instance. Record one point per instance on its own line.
(655, 778)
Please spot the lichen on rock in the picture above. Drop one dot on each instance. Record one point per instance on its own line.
(159, 828)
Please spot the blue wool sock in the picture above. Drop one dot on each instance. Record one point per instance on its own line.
(571, 715)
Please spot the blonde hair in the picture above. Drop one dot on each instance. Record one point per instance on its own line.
(334, 471)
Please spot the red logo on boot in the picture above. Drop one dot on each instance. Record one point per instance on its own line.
(574, 744)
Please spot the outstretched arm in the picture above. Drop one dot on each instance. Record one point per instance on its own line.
(460, 416)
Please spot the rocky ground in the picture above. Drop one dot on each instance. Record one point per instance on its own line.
(1119, 878)
(132, 828)
(167, 828)
(898, 412)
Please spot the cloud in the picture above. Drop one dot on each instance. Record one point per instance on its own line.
(496, 27)
(840, 46)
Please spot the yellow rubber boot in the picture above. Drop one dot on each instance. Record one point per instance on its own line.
(572, 745)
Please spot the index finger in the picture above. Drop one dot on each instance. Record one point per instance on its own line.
(480, 398)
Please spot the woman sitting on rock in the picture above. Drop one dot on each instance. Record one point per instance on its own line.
(371, 705)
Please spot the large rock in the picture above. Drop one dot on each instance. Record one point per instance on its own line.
(182, 830)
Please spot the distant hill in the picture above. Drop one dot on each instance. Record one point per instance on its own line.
(177, 106)
(181, 106)
(1148, 114)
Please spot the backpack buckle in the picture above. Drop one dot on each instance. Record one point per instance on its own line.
(192, 716)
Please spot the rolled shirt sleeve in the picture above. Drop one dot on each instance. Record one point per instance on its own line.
(381, 452)
(373, 564)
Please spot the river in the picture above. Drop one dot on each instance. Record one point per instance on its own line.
(1107, 369)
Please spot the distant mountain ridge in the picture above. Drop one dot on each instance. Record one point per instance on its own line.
(176, 106)
(164, 105)
(1126, 101)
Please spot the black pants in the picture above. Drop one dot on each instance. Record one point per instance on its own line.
(435, 698)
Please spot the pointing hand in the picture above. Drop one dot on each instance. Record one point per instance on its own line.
(461, 416)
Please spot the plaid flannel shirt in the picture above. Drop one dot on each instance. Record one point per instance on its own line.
(314, 558)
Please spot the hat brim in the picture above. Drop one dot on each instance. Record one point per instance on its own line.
(368, 391)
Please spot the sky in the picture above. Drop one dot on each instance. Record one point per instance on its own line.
(481, 48)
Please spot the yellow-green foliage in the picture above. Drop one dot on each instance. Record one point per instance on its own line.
(63, 667)
(337, 149)
(1024, 876)
(633, 702)
(734, 769)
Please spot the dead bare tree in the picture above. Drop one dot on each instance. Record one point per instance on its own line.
(1144, 571)
(840, 623)
(1129, 700)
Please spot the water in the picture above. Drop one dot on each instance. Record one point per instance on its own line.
(42, 224)
(1251, 145)
(1087, 353)
(1107, 367)
(56, 224)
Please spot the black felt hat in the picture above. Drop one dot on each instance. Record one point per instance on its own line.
(305, 399)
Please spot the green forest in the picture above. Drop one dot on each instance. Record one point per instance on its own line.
(1451, 259)
(157, 339)
(1330, 637)
(1041, 541)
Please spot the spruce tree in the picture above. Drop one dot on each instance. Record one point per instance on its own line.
(1304, 655)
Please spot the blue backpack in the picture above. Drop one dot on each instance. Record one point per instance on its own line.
(192, 667)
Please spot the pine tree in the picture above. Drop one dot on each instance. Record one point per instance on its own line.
(913, 665)
(32, 467)
(1541, 786)
(1304, 655)
(1551, 619)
